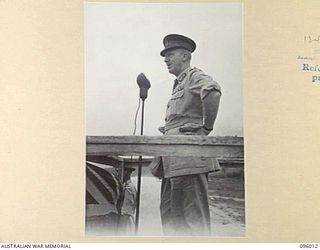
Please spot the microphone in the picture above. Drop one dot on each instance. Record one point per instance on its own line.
(144, 85)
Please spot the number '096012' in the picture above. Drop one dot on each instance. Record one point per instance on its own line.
(308, 245)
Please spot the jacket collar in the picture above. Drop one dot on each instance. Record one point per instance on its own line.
(183, 74)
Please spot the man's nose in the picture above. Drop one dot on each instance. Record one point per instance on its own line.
(166, 59)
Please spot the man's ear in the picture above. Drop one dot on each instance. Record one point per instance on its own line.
(185, 56)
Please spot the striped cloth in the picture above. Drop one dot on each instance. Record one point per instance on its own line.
(104, 191)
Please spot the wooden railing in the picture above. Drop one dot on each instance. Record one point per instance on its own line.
(229, 150)
(181, 145)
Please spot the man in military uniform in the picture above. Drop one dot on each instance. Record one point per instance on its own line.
(129, 203)
(192, 110)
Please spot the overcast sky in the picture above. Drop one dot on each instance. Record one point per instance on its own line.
(125, 39)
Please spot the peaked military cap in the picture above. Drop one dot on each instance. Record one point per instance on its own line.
(175, 41)
(129, 169)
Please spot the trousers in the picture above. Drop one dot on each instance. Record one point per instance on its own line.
(184, 205)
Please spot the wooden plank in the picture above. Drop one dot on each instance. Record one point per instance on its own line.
(218, 151)
(165, 140)
(112, 161)
(179, 145)
(116, 161)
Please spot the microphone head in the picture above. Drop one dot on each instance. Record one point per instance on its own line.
(143, 82)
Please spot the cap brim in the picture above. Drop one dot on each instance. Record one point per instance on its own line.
(163, 52)
(129, 169)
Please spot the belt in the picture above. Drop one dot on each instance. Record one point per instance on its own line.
(180, 121)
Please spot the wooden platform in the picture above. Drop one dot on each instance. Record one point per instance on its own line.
(180, 145)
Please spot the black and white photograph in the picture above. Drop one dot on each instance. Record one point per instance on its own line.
(164, 119)
(154, 122)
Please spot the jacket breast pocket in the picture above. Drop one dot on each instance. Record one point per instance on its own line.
(176, 103)
(178, 94)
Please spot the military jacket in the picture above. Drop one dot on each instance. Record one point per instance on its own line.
(185, 105)
(185, 108)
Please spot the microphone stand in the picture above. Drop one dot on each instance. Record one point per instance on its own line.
(139, 174)
(144, 85)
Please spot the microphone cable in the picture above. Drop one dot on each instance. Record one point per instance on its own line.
(135, 117)
(135, 123)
